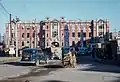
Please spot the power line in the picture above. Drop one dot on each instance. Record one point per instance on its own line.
(5, 15)
(4, 8)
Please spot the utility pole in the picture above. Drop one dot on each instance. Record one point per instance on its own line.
(16, 36)
(92, 30)
(82, 45)
(10, 31)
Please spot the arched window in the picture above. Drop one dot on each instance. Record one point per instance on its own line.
(56, 44)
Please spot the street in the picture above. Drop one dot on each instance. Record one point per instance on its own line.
(86, 71)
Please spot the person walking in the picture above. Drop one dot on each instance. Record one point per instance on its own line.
(73, 57)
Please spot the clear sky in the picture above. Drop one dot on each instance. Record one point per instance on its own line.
(70, 9)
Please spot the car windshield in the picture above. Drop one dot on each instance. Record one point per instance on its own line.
(26, 53)
(39, 52)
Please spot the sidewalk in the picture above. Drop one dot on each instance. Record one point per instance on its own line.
(7, 59)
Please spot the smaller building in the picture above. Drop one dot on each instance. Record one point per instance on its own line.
(114, 35)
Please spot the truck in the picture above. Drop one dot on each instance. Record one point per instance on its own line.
(55, 54)
(107, 51)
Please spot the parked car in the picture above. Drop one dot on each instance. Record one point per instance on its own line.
(33, 56)
(2, 54)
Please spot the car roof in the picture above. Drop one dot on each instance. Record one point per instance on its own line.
(30, 49)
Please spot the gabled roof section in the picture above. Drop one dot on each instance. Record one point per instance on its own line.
(100, 21)
(55, 20)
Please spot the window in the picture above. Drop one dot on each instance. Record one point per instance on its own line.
(33, 42)
(100, 33)
(27, 41)
(47, 43)
(73, 34)
(38, 34)
(33, 28)
(78, 43)
(22, 43)
(12, 35)
(14, 42)
(73, 43)
(100, 27)
(28, 28)
(62, 43)
(90, 34)
(54, 34)
(28, 35)
(52, 26)
(47, 35)
(84, 34)
(33, 35)
(78, 34)
(73, 27)
(47, 26)
(22, 35)
(22, 27)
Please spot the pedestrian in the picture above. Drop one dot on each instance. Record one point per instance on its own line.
(72, 55)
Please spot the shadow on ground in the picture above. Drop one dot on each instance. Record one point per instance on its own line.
(41, 65)
(89, 64)
(54, 81)
(18, 64)
(53, 66)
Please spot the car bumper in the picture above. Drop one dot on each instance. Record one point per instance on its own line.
(27, 62)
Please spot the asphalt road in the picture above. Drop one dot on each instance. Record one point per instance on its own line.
(86, 71)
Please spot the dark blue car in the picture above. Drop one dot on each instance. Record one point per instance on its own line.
(33, 55)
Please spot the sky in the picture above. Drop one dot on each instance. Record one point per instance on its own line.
(70, 9)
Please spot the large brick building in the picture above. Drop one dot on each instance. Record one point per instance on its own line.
(64, 32)
(27, 34)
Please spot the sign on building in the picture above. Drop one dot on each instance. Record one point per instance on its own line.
(66, 36)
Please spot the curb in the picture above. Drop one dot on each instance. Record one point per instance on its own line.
(4, 61)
